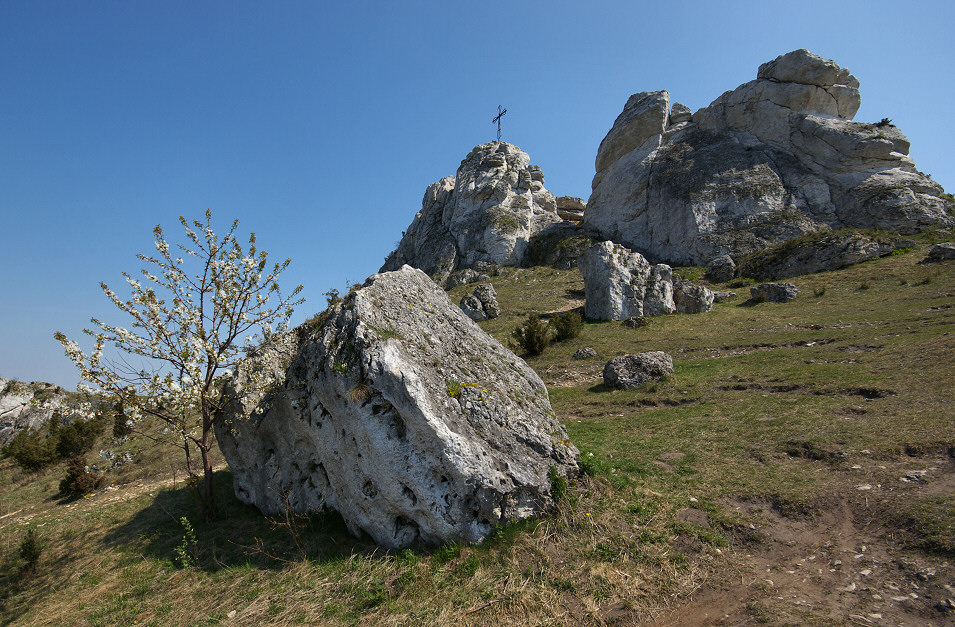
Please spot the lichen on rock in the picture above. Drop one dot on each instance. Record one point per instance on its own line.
(359, 416)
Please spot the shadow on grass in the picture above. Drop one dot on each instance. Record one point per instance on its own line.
(239, 536)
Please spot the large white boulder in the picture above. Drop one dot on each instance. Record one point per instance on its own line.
(774, 159)
(621, 284)
(399, 412)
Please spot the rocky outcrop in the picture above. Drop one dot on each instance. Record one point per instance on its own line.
(772, 160)
(630, 371)
(26, 406)
(774, 292)
(825, 251)
(571, 208)
(559, 246)
(620, 284)
(942, 252)
(481, 304)
(721, 269)
(399, 412)
(487, 213)
(463, 277)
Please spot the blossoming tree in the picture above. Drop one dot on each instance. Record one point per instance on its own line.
(192, 323)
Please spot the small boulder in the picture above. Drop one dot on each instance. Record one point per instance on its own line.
(473, 308)
(721, 269)
(585, 353)
(410, 421)
(719, 297)
(941, 252)
(691, 298)
(630, 371)
(774, 292)
(486, 294)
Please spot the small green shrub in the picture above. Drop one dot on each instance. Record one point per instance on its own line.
(187, 553)
(33, 450)
(122, 426)
(79, 480)
(31, 548)
(567, 325)
(78, 437)
(533, 336)
(558, 484)
(884, 122)
(864, 286)
(819, 292)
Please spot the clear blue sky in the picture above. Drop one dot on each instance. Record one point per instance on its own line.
(318, 125)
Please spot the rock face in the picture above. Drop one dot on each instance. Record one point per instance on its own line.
(620, 284)
(630, 371)
(828, 251)
(487, 213)
(774, 159)
(774, 292)
(400, 413)
(463, 277)
(25, 406)
(571, 208)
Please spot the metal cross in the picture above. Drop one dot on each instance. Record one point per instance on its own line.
(500, 112)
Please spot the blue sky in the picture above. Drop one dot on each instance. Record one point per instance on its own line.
(318, 125)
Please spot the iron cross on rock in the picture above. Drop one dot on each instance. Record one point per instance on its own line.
(500, 112)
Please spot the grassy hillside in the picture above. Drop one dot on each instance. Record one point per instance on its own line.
(796, 468)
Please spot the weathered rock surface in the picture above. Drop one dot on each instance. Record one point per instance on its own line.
(571, 208)
(487, 213)
(774, 292)
(410, 421)
(559, 246)
(829, 251)
(943, 251)
(463, 277)
(772, 160)
(586, 352)
(691, 298)
(721, 269)
(620, 284)
(26, 406)
(630, 371)
(481, 304)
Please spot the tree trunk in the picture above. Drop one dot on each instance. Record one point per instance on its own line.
(207, 495)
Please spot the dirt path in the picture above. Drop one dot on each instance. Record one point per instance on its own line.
(844, 564)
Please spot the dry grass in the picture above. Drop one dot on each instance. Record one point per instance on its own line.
(770, 404)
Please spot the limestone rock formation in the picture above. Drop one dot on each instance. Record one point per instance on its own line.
(399, 412)
(941, 252)
(630, 371)
(463, 277)
(571, 208)
(774, 292)
(26, 406)
(826, 251)
(487, 213)
(721, 269)
(772, 160)
(481, 304)
(620, 284)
